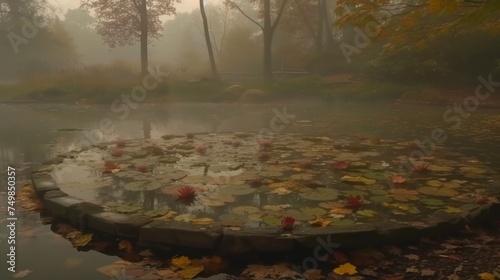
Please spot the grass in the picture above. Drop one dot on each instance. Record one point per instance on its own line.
(103, 87)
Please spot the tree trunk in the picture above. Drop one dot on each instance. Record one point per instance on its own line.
(143, 11)
(213, 67)
(268, 41)
(321, 23)
(328, 27)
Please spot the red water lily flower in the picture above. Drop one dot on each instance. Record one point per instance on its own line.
(354, 201)
(397, 179)
(117, 153)
(421, 167)
(266, 143)
(143, 168)
(264, 156)
(200, 150)
(186, 193)
(120, 143)
(340, 165)
(287, 222)
(109, 166)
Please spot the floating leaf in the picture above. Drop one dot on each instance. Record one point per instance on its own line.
(245, 210)
(345, 268)
(181, 262)
(190, 272)
(128, 208)
(316, 211)
(357, 180)
(403, 207)
(281, 191)
(82, 239)
(142, 186)
(437, 191)
(320, 222)
(450, 209)
(366, 213)
(202, 221)
(184, 217)
(472, 170)
(432, 201)
(319, 194)
(271, 220)
(237, 190)
(380, 198)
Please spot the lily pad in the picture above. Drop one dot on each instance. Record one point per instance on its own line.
(237, 190)
(271, 220)
(319, 194)
(367, 213)
(128, 208)
(245, 210)
(232, 220)
(437, 191)
(316, 211)
(357, 180)
(432, 201)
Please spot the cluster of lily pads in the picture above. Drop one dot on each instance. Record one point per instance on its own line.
(237, 179)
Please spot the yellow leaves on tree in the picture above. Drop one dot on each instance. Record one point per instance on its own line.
(346, 268)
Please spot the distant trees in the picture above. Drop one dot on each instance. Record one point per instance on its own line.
(124, 22)
(268, 28)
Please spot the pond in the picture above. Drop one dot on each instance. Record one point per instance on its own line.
(31, 134)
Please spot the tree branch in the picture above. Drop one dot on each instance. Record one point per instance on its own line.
(248, 17)
(280, 13)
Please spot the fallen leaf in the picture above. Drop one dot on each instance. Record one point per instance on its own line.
(486, 276)
(181, 262)
(82, 239)
(412, 269)
(22, 273)
(346, 268)
(412, 257)
(427, 272)
(126, 246)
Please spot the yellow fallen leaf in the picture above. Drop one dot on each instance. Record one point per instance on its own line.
(82, 239)
(486, 276)
(190, 272)
(181, 262)
(202, 221)
(319, 222)
(346, 268)
(281, 191)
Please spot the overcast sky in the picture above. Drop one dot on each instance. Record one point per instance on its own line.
(186, 5)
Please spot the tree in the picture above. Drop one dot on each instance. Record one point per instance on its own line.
(213, 67)
(124, 22)
(268, 29)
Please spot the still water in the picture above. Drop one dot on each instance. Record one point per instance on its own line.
(31, 134)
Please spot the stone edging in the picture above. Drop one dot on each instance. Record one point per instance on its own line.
(163, 234)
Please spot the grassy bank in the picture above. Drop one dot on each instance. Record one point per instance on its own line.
(103, 89)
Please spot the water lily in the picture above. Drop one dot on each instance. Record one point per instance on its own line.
(120, 143)
(397, 179)
(186, 193)
(421, 167)
(340, 165)
(157, 151)
(287, 222)
(200, 150)
(117, 153)
(143, 168)
(354, 201)
(109, 166)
